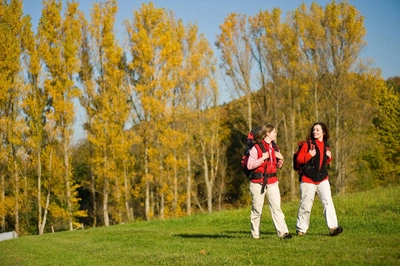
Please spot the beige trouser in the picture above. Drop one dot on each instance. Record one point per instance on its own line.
(274, 202)
(307, 195)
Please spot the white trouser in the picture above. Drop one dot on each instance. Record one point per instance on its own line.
(274, 201)
(307, 195)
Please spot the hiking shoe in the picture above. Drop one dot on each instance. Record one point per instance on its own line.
(299, 233)
(335, 231)
(286, 236)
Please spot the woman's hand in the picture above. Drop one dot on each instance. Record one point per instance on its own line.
(312, 152)
(265, 156)
(329, 154)
(279, 155)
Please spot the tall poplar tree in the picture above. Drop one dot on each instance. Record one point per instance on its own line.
(345, 31)
(154, 42)
(34, 106)
(105, 102)
(197, 67)
(59, 41)
(13, 30)
(201, 95)
(86, 78)
(234, 42)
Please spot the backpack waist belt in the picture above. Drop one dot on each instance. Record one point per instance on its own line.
(259, 175)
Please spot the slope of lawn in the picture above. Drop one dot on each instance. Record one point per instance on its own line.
(371, 236)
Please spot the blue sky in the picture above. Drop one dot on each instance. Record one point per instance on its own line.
(381, 19)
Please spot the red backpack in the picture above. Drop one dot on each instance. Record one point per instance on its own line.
(245, 157)
(297, 166)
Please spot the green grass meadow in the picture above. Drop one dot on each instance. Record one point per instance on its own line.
(371, 236)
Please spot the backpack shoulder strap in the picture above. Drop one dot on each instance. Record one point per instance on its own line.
(310, 143)
(276, 148)
(262, 147)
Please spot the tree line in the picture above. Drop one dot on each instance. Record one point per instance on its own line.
(157, 143)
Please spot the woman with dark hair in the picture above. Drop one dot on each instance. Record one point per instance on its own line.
(265, 182)
(315, 155)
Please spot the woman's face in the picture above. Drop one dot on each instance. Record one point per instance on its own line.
(271, 135)
(318, 133)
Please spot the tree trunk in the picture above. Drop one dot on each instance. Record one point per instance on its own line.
(118, 193)
(208, 183)
(162, 205)
(222, 185)
(3, 196)
(126, 185)
(175, 201)
(43, 224)
(39, 196)
(93, 188)
(338, 163)
(16, 206)
(67, 183)
(93, 192)
(105, 193)
(105, 203)
(189, 186)
(197, 202)
(118, 199)
(153, 204)
(146, 174)
(292, 150)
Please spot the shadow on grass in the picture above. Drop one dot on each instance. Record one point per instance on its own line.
(225, 234)
(203, 236)
(248, 232)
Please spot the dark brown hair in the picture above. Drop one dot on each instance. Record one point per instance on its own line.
(324, 130)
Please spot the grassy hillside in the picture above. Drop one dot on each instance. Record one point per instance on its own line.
(371, 222)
